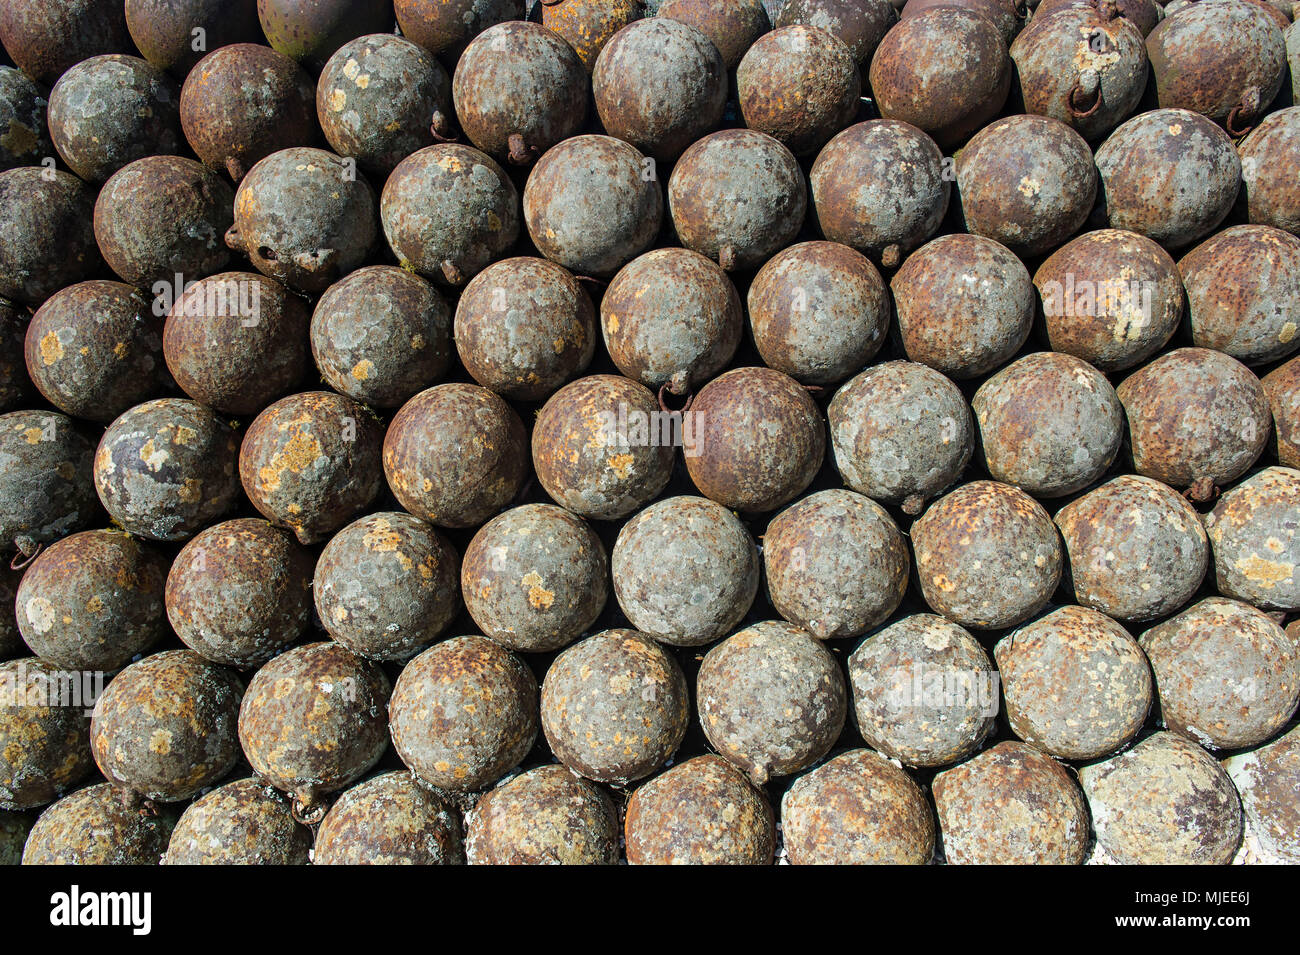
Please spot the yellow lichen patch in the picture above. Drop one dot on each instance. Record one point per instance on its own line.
(621, 465)
(153, 457)
(1287, 333)
(336, 100)
(417, 342)
(32, 435)
(192, 491)
(1266, 573)
(95, 604)
(184, 435)
(363, 81)
(298, 452)
(351, 68)
(51, 348)
(160, 742)
(120, 350)
(943, 583)
(362, 369)
(539, 598)
(381, 538)
(340, 614)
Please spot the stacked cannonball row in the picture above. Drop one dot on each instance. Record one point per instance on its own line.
(709, 431)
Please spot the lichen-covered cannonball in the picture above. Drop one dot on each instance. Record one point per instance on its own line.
(1076, 684)
(390, 820)
(166, 468)
(1254, 534)
(924, 691)
(602, 448)
(92, 601)
(240, 592)
(1011, 805)
(455, 454)
(312, 462)
(1226, 675)
(1267, 779)
(987, 555)
(546, 816)
(313, 720)
(1136, 549)
(1163, 802)
(535, 578)
(701, 812)
(857, 809)
(685, 571)
(166, 727)
(46, 486)
(901, 433)
(49, 236)
(241, 823)
(615, 706)
(771, 699)
(44, 737)
(385, 586)
(100, 825)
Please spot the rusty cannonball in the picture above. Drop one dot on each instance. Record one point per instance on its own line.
(236, 341)
(1049, 424)
(1283, 388)
(240, 592)
(592, 204)
(836, 564)
(46, 37)
(243, 102)
(535, 578)
(455, 455)
(380, 335)
(756, 439)
(587, 25)
(671, 318)
(819, 312)
(385, 586)
(660, 85)
(382, 97)
(799, 84)
(685, 571)
(1272, 196)
(701, 812)
(163, 216)
(1027, 181)
(111, 110)
(1254, 533)
(731, 25)
(16, 388)
(987, 555)
(448, 211)
(93, 350)
(23, 114)
(241, 823)
(1226, 675)
(311, 30)
(1110, 297)
(46, 219)
(44, 732)
(858, 24)
(166, 726)
(924, 691)
(546, 816)
(945, 71)
(313, 721)
(1266, 779)
(603, 449)
(525, 326)
(463, 713)
(901, 433)
(14, 828)
(1197, 418)
(311, 462)
(390, 819)
(167, 32)
(446, 26)
(46, 485)
(304, 217)
(1083, 65)
(1164, 802)
(857, 809)
(100, 825)
(519, 90)
(737, 196)
(1076, 684)
(771, 699)
(167, 468)
(1225, 60)
(1007, 15)
(1170, 175)
(965, 304)
(615, 707)
(92, 601)
(1136, 549)
(1011, 805)
(1243, 293)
